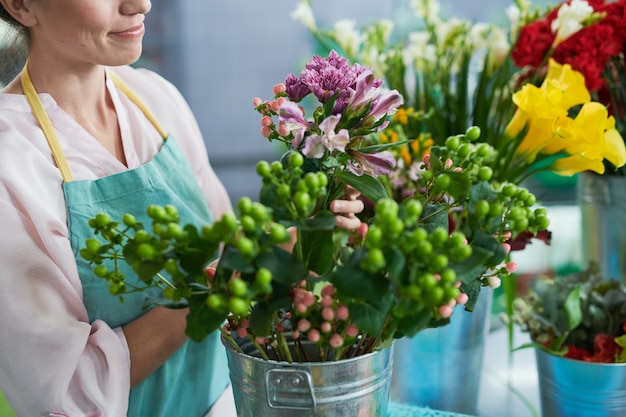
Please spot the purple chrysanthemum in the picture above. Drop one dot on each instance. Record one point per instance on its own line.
(295, 88)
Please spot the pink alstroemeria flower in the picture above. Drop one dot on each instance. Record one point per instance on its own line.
(293, 118)
(316, 145)
(380, 163)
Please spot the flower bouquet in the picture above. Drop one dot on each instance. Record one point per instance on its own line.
(285, 268)
(589, 36)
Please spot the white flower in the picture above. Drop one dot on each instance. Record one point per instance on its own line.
(569, 19)
(373, 58)
(347, 36)
(498, 48)
(477, 37)
(418, 50)
(427, 9)
(514, 14)
(304, 15)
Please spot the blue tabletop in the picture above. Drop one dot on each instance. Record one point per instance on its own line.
(405, 410)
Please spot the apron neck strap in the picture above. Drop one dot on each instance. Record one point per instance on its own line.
(46, 125)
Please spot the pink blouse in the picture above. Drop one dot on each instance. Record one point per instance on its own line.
(52, 360)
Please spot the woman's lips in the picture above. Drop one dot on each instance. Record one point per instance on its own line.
(133, 32)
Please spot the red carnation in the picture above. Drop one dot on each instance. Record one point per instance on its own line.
(533, 44)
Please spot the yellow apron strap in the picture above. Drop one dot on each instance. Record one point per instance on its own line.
(46, 124)
(133, 97)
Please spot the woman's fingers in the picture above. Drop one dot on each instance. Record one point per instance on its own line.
(345, 211)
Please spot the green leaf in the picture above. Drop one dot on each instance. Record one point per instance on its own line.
(284, 267)
(384, 146)
(263, 313)
(434, 216)
(201, 320)
(412, 324)
(352, 281)
(317, 250)
(369, 186)
(370, 317)
(572, 310)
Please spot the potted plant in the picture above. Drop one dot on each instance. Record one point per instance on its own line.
(577, 324)
(292, 290)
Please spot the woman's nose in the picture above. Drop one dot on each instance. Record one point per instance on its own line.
(130, 7)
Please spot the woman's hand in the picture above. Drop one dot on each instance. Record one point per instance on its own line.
(347, 208)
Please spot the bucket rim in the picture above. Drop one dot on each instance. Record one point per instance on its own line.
(578, 361)
(273, 362)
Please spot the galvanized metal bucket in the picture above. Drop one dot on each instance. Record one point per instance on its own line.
(576, 388)
(441, 368)
(357, 386)
(602, 201)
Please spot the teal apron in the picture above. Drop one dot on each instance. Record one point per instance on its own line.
(190, 382)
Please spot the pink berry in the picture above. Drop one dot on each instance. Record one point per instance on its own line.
(511, 267)
(462, 298)
(326, 327)
(445, 311)
(304, 325)
(242, 333)
(336, 341)
(256, 102)
(343, 313)
(328, 290)
(352, 331)
(314, 335)
(328, 313)
(279, 88)
(327, 301)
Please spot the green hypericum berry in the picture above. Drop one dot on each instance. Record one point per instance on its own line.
(509, 190)
(141, 236)
(312, 181)
(175, 231)
(93, 245)
(278, 233)
(443, 181)
(438, 236)
(244, 204)
(374, 236)
(482, 208)
(276, 167)
(171, 211)
(464, 150)
(472, 133)
(247, 223)
(101, 271)
(146, 251)
(302, 201)
(171, 266)
(229, 221)
(129, 220)
(448, 276)
(485, 173)
(238, 306)
(244, 245)
(296, 160)
(263, 276)
(215, 302)
(323, 179)
(102, 220)
(438, 262)
(259, 212)
(283, 191)
(263, 169)
(238, 287)
(453, 142)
